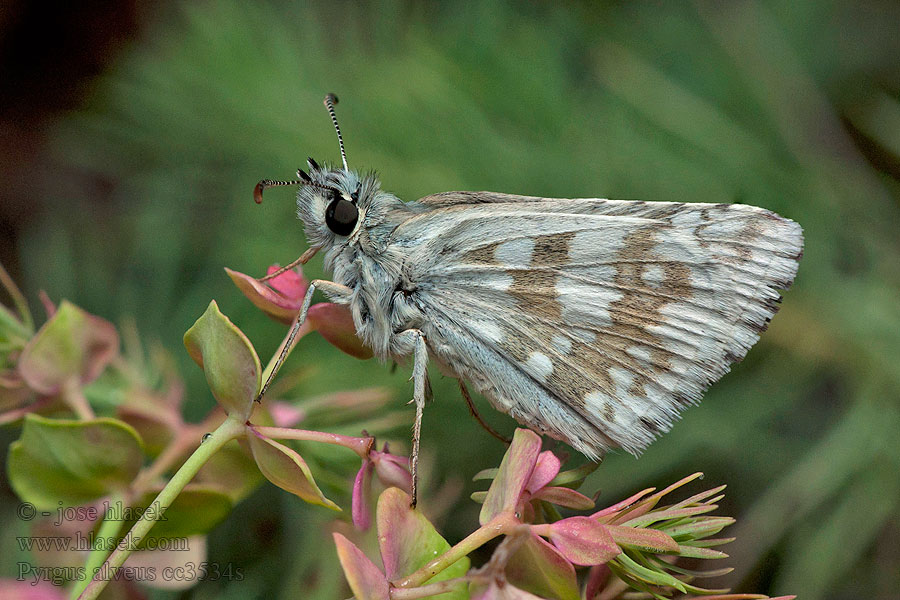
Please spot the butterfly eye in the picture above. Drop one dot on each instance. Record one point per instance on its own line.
(341, 216)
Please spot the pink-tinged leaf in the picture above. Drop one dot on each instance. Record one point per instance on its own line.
(669, 513)
(228, 359)
(597, 577)
(541, 569)
(335, 323)
(13, 589)
(286, 469)
(366, 581)
(546, 468)
(705, 497)
(155, 420)
(615, 508)
(650, 540)
(408, 540)
(392, 470)
(290, 284)
(515, 471)
(272, 302)
(649, 503)
(566, 497)
(583, 541)
(72, 345)
(359, 501)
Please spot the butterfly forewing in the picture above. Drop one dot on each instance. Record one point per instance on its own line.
(594, 321)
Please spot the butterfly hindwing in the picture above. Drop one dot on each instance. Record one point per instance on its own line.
(595, 321)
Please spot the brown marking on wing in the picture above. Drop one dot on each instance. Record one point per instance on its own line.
(588, 365)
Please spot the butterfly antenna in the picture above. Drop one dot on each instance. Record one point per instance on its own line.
(330, 101)
(304, 179)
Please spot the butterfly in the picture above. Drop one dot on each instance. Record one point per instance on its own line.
(592, 321)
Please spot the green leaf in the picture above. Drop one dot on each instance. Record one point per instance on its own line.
(700, 528)
(648, 575)
(515, 469)
(539, 568)
(228, 359)
(286, 469)
(408, 540)
(73, 462)
(12, 329)
(71, 345)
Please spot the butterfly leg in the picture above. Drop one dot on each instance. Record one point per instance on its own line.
(420, 393)
(474, 412)
(333, 290)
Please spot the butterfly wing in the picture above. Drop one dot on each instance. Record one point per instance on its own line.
(594, 321)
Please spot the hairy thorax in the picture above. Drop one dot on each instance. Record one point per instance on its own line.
(383, 302)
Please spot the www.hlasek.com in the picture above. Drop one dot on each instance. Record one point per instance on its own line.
(190, 571)
(90, 542)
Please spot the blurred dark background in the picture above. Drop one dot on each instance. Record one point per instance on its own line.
(131, 136)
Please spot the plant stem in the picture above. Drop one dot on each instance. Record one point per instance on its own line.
(109, 529)
(499, 525)
(73, 396)
(440, 587)
(360, 445)
(231, 428)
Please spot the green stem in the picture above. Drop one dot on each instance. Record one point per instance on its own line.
(499, 525)
(440, 587)
(109, 529)
(230, 429)
(360, 445)
(73, 396)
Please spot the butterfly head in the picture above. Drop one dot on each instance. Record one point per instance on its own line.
(332, 202)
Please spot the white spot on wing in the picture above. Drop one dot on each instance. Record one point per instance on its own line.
(490, 331)
(561, 343)
(622, 379)
(583, 302)
(515, 253)
(539, 365)
(640, 353)
(653, 275)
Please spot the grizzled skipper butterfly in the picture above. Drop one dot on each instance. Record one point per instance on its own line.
(592, 321)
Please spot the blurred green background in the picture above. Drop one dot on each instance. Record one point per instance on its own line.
(127, 189)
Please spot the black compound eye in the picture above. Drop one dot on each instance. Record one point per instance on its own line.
(341, 216)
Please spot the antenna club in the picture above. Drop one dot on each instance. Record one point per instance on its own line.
(330, 99)
(258, 191)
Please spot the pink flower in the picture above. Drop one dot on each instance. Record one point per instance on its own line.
(282, 298)
(392, 471)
